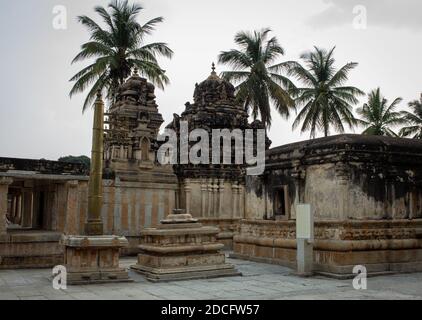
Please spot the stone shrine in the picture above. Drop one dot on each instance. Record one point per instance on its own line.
(180, 248)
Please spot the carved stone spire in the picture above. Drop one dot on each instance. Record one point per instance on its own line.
(213, 75)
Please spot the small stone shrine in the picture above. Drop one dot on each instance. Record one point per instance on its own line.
(180, 248)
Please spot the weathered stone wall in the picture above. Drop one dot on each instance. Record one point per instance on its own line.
(342, 177)
(127, 208)
(339, 245)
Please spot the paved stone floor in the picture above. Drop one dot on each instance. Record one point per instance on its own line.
(259, 282)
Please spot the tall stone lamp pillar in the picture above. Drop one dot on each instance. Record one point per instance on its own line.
(94, 257)
(94, 225)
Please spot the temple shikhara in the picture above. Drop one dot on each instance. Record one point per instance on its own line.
(365, 194)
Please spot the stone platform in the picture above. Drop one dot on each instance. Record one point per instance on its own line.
(30, 249)
(94, 259)
(180, 248)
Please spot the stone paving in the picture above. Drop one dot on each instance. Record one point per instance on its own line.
(259, 282)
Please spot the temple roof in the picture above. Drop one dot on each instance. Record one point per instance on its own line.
(350, 148)
(214, 90)
(352, 140)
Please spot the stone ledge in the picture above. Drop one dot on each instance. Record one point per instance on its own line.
(186, 273)
(335, 245)
(30, 237)
(181, 249)
(30, 262)
(94, 241)
(176, 232)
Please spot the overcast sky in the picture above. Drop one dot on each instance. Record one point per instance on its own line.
(38, 120)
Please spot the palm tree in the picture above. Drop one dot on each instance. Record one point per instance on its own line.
(378, 116)
(413, 118)
(116, 49)
(259, 82)
(325, 101)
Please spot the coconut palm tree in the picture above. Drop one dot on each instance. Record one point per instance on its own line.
(378, 116)
(117, 48)
(258, 79)
(414, 119)
(326, 102)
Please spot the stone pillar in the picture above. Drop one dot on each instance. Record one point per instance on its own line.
(94, 225)
(210, 209)
(12, 212)
(221, 199)
(72, 211)
(215, 198)
(204, 191)
(93, 258)
(188, 190)
(28, 204)
(4, 190)
(235, 189)
(240, 211)
(18, 216)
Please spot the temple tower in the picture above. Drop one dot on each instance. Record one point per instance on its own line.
(133, 124)
(215, 193)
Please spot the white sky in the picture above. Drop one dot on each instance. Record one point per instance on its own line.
(38, 120)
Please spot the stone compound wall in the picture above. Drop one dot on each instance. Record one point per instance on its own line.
(339, 245)
(127, 208)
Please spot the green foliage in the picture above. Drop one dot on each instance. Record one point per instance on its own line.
(259, 82)
(325, 101)
(378, 116)
(81, 159)
(118, 48)
(413, 119)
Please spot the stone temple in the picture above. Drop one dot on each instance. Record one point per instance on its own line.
(365, 192)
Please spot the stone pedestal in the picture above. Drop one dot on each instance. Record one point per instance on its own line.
(94, 259)
(180, 248)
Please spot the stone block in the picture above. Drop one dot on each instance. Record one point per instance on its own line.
(94, 259)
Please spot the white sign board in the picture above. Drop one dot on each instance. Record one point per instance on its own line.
(304, 222)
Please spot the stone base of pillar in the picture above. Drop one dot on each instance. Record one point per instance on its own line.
(94, 228)
(154, 274)
(180, 248)
(94, 259)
